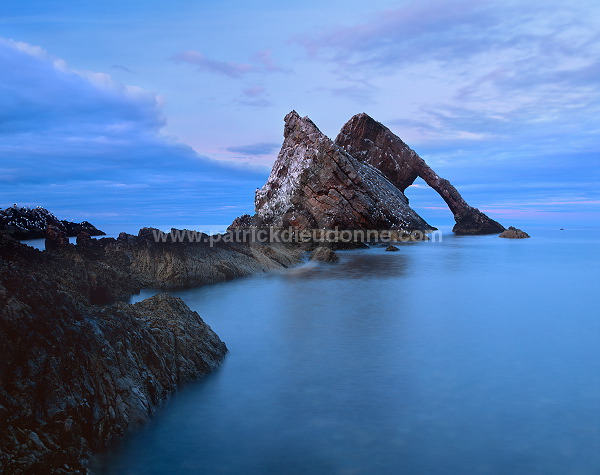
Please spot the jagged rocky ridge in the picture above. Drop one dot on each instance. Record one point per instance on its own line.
(373, 143)
(31, 223)
(315, 184)
(79, 366)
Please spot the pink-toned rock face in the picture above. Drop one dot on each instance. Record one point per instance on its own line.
(373, 143)
(315, 184)
(369, 141)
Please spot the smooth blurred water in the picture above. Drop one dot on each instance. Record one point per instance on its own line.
(476, 355)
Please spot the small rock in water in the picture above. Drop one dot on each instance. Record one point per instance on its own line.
(324, 254)
(392, 248)
(514, 233)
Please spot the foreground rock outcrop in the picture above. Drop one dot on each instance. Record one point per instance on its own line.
(373, 143)
(32, 223)
(315, 184)
(79, 366)
(514, 233)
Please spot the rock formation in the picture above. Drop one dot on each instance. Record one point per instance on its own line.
(79, 366)
(514, 233)
(373, 143)
(324, 254)
(74, 375)
(315, 184)
(31, 223)
(56, 238)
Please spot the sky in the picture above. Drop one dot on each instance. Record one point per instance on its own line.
(171, 113)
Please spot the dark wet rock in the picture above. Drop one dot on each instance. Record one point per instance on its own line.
(79, 366)
(373, 143)
(31, 223)
(391, 248)
(244, 221)
(324, 254)
(73, 229)
(345, 246)
(75, 376)
(210, 259)
(83, 239)
(514, 233)
(314, 184)
(56, 238)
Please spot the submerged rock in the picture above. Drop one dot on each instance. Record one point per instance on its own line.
(324, 254)
(391, 248)
(315, 184)
(373, 143)
(514, 233)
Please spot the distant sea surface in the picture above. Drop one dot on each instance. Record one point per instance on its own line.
(474, 355)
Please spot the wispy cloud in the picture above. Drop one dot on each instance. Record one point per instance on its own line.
(125, 69)
(256, 149)
(254, 91)
(203, 63)
(262, 61)
(254, 96)
(397, 36)
(502, 66)
(265, 59)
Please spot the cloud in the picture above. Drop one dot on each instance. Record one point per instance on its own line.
(404, 34)
(81, 142)
(40, 92)
(265, 58)
(256, 149)
(503, 60)
(262, 61)
(122, 68)
(254, 96)
(254, 91)
(231, 69)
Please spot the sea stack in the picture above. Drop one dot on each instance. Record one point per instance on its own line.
(315, 184)
(371, 142)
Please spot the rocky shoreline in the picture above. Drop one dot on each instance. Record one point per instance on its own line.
(80, 366)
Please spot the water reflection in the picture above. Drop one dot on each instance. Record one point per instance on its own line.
(358, 264)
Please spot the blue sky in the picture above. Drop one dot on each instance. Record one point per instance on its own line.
(171, 113)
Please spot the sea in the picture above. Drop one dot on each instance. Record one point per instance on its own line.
(469, 355)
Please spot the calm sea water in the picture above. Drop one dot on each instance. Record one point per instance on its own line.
(476, 355)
